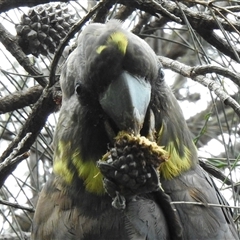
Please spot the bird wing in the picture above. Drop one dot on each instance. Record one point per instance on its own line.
(200, 221)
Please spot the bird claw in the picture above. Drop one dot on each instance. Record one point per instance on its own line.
(106, 169)
(110, 187)
(119, 202)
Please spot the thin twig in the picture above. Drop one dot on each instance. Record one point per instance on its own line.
(22, 75)
(35, 122)
(152, 7)
(186, 71)
(219, 175)
(204, 204)
(199, 19)
(123, 13)
(16, 205)
(219, 43)
(102, 13)
(204, 69)
(14, 158)
(11, 161)
(143, 20)
(17, 149)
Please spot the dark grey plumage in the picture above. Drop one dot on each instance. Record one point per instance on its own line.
(73, 203)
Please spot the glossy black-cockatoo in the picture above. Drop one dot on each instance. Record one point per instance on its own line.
(113, 83)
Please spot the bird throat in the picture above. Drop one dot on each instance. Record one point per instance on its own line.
(69, 164)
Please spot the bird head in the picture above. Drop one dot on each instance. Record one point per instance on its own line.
(114, 82)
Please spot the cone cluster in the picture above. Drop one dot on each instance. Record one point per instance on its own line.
(42, 28)
(133, 163)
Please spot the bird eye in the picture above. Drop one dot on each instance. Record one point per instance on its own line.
(161, 74)
(78, 89)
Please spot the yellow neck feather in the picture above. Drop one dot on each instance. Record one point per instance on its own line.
(175, 164)
(86, 170)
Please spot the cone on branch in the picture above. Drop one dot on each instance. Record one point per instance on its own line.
(42, 28)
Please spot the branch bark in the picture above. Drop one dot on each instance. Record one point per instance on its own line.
(19, 100)
(11, 44)
(188, 71)
(35, 122)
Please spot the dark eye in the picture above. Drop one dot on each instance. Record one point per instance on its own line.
(161, 74)
(78, 89)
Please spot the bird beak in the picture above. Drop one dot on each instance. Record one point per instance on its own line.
(126, 102)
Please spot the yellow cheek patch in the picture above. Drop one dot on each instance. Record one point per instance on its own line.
(88, 171)
(66, 164)
(61, 168)
(175, 164)
(117, 38)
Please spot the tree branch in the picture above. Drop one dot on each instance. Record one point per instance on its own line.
(19, 100)
(171, 10)
(123, 13)
(9, 165)
(219, 43)
(35, 122)
(152, 7)
(11, 44)
(219, 175)
(102, 12)
(204, 69)
(15, 205)
(199, 19)
(143, 20)
(188, 71)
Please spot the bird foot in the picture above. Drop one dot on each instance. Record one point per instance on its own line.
(119, 202)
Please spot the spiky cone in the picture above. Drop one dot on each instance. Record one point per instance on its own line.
(42, 28)
(131, 166)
